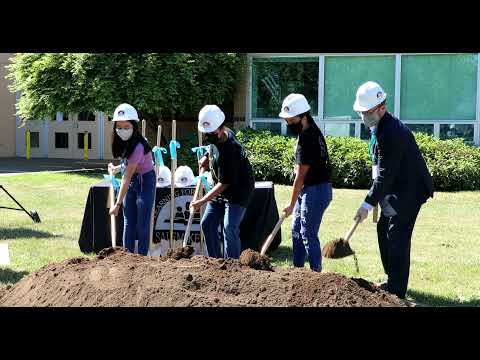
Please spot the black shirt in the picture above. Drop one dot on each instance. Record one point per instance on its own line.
(312, 150)
(229, 165)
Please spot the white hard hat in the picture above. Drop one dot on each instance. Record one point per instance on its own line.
(369, 95)
(125, 112)
(293, 105)
(210, 118)
(184, 177)
(164, 176)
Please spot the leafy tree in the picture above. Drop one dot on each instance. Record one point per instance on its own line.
(160, 86)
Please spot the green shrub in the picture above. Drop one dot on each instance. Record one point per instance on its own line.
(453, 164)
(271, 155)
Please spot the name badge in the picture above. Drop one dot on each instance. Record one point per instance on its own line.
(374, 172)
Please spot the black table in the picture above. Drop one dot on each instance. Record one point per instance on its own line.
(260, 219)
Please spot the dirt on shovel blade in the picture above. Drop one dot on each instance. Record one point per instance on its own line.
(337, 249)
(255, 260)
(185, 252)
(119, 278)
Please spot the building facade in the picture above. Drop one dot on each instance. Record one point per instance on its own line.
(433, 93)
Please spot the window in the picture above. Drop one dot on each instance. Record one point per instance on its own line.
(274, 127)
(421, 128)
(61, 140)
(345, 74)
(34, 139)
(336, 129)
(438, 87)
(86, 116)
(450, 131)
(59, 115)
(275, 78)
(80, 140)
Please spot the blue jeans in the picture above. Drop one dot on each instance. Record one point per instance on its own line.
(137, 211)
(232, 215)
(308, 213)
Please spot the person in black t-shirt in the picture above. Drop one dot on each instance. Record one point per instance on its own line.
(312, 188)
(234, 184)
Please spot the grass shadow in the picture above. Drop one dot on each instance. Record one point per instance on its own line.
(15, 233)
(91, 174)
(9, 276)
(435, 300)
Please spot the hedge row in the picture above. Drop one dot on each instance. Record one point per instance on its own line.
(453, 164)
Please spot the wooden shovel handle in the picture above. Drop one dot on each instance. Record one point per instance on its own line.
(375, 214)
(272, 235)
(172, 187)
(113, 223)
(152, 225)
(192, 213)
(352, 229)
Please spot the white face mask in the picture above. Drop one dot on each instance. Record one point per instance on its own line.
(124, 134)
(370, 119)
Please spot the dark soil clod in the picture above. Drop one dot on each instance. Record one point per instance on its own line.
(181, 253)
(255, 260)
(109, 251)
(337, 249)
(365, 284)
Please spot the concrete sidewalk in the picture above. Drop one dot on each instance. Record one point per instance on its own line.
(16, 166)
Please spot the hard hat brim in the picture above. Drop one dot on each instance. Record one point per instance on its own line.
(358, 107)
(124, 119)
(208, 129)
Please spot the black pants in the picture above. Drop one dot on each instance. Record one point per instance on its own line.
(394, 240)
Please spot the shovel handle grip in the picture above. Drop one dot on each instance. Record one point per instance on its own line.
(272, 235)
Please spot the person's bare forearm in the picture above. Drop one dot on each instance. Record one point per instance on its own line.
(216, 190)
(297, 188)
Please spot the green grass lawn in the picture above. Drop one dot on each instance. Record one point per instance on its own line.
(445, 266)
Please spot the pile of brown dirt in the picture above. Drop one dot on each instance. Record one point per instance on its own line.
(118, 278)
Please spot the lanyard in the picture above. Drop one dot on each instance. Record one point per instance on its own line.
(372, 147)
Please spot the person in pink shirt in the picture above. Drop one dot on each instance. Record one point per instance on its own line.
(138, 178)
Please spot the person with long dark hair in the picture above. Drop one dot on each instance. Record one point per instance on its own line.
(138, 185)
(312, 188)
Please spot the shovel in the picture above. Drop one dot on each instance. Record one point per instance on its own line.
(272, 235)
(340, 248)
(113, 223)
(192, 213)
(33, 214)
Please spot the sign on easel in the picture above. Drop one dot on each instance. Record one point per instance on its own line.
(161, 232)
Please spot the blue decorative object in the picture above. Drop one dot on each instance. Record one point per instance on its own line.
(174, 145)
(157, 155)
